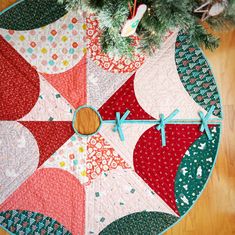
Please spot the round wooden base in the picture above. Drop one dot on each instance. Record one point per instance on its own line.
(86, 121)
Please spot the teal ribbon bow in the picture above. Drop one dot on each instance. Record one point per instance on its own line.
(163, 122)
(205, 119)
(119, 122)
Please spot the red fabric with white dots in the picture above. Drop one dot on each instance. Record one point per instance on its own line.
(19, 84)
(123, 99)
(49, 136)
(158, 165)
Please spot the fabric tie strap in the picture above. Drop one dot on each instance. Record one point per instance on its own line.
(163, 122)
(205, 119)
(119, 122)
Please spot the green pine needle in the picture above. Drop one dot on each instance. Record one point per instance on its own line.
(164, 15)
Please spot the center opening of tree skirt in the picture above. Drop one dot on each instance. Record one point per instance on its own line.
(86, 121)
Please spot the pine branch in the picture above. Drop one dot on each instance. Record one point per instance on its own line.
(164, 15)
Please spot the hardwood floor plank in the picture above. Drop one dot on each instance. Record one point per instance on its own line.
(214, 213)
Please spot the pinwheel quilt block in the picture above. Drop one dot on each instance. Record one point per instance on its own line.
(142, 167)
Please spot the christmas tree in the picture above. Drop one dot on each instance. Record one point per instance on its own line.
(160, 17)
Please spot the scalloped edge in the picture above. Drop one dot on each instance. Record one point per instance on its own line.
(199, 195)
(11, 6)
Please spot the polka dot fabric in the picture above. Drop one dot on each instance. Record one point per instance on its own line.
(49, 136)
(97, 184)
(32, 14)
(19, 84)
(194, 170)
(54, 48)
(124, 98)
(140, 223)
(158, 165)
(71, 157)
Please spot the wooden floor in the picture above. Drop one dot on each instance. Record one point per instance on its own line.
(5, 3)
(214, 213)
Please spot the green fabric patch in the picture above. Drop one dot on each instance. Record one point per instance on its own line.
(196, 75)
(194, 169)
(27, 222)
(32, 14)
(140, 223)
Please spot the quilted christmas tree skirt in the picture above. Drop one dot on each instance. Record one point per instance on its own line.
(91, 144)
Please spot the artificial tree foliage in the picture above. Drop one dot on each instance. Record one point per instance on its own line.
(160, 17)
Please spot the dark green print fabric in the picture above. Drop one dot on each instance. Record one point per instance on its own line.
(196, 75)
(141, 223)
(27, 222)
(194, 169)
(32, 14)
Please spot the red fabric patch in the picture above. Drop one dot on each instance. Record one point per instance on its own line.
(49, 135)
(71, 84)
(123, 99)
(158, 165)
(19, 84)
(122, 65)
(101, 157)
(54, 193)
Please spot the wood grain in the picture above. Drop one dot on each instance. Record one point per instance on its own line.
(6, 3)
(214, 213)
(3, 232)
(87, 121)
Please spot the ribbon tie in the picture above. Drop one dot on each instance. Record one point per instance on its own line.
(205, 119)
(163, 122)
(119, 122)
